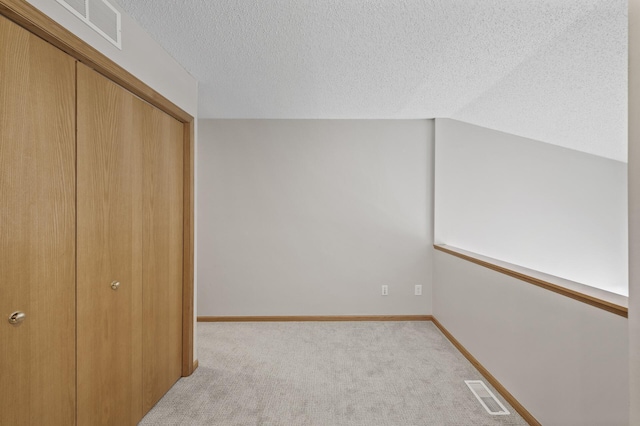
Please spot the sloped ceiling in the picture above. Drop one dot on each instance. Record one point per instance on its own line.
(551, 70)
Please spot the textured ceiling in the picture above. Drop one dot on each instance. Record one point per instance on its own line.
(551, 70)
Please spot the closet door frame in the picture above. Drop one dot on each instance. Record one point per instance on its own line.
(33, 20)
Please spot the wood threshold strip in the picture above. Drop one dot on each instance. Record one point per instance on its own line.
(316, 318)
(29, 17)
(485, 373)
(580, 297)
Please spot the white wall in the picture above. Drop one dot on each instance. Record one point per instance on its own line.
(566, 362)
(634, 208)
(533, 204)
(311, 217)
(140, 55)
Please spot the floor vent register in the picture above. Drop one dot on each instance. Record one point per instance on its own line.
(486, 398)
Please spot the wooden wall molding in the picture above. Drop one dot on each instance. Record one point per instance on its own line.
(489, 377)
(38, 23)
(29, 17)
(316, 318)
(580, 297)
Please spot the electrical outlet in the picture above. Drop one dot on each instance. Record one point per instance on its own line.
(418, 290)
(385, 290)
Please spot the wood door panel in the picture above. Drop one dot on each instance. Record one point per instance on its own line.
(109, 139)
(37, 230)
(162, 255)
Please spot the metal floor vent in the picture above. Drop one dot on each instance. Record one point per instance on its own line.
(99, 15)
(486, 398)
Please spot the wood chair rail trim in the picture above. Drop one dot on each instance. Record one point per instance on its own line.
(580, 297)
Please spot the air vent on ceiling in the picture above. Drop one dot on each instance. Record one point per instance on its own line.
(486, 397)
(99, 15)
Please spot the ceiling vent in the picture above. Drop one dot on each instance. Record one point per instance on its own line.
(99, 15)
(486, 398)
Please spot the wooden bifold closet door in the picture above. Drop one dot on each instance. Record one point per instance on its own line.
(129, 252)
(37, 231)
(162, 254)
(109, 141)
(91, 242)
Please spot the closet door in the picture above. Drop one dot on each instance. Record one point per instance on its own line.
(37, 230)
(109, 252)
(163, 250)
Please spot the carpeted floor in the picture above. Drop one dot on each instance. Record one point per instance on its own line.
(325, 374)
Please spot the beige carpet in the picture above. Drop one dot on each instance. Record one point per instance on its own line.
(325, 374)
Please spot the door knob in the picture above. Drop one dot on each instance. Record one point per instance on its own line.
(115, 285)
(17, 317)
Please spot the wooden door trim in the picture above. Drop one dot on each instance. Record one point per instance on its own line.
(38, 23)
(188, 254)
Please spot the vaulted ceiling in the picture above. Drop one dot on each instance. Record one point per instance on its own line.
(551, 70)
